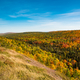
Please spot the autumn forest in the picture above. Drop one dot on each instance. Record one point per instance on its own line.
(59, 50)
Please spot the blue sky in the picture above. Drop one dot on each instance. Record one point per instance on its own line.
(39, 15)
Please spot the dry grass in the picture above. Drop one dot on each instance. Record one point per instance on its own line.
(14, 67)
(62, 76)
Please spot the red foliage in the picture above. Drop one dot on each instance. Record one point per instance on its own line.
(65, 45)
(68, 63)
(73, 62)
(51, 44)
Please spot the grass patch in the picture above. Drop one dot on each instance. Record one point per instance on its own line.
(10, 70)
(7, 73)
(2, 64)
(35, 69)
(62, 75)
(23, 75)
(45, 78)
(18, 56)
(9, 62)
(28, 61)
(2, 49)
(5, 61)
(5, 53)
(2, 58)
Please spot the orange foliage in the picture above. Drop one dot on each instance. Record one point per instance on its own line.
(65, 61)
(51, 44)
(73, 62)
(65, 45)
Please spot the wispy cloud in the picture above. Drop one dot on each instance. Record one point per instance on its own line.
(12, 16)
(52, 26)
(70, 16)
(32, 15)
(30, 21)
(46, 22)
(20, 15)
(22, 11)
(75, 13)
(40, 25)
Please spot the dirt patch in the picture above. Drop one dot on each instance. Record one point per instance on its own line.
(38, 64)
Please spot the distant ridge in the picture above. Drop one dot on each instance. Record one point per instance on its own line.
(64, 30)
(7, 33)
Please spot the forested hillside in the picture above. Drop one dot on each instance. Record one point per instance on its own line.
(59, 50)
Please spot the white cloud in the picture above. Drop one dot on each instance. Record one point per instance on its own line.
(37, 16)
(53, 26)
(69, 17)
(40, 25)
(20, 15)
(77, 13)
(22, 11)
(12, 16)
(46, 22)
(30, 21)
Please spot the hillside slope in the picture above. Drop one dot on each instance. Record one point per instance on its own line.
(15, 66)
(59, 50)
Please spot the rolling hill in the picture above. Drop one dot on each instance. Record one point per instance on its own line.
(58, 50)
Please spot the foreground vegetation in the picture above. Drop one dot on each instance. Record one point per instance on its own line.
(15, 67)
(58, 50)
